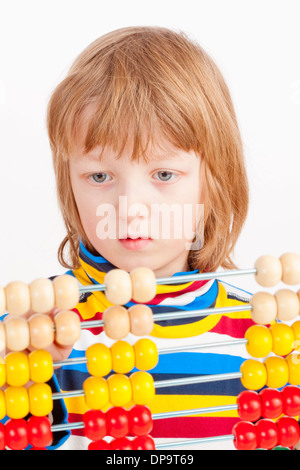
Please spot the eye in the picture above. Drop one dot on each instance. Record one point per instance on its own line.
(165, 175)
(98, 177)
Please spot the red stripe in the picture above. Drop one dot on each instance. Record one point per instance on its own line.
(236, 326)
(182, 427)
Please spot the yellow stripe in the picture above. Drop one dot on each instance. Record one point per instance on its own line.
(166, 403)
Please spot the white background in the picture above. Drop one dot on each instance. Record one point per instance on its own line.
(255, 43)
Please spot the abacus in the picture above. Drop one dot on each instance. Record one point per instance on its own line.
(267, 417)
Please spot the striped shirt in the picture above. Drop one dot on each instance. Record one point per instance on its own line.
(194, 295)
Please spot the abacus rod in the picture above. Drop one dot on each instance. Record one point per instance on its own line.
(83, 360)
(163, 383)
(177, 413)
(170, 414)
(181, 314)
(178, 279)
(189, 442)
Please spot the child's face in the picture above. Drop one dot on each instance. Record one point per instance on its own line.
(166, 181)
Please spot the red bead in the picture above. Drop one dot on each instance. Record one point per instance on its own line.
(267, 434)
(140, 420)
(291, 400)
(249, 406)
(95, 425)
(16, 434)
(122, 443)
(39, 431)
(99, 445)
(289, 431)
(245, 436)
(117, 422)
(272, 403)
(2, 437)
(143, 443)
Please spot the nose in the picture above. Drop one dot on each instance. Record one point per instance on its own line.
(133, 208)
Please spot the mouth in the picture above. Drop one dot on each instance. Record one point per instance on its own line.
(136, 244)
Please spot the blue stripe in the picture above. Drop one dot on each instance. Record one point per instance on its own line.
(182, 363)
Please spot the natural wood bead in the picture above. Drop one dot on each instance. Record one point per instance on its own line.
(41, 331)
(116, 322)
(17, 298)
(17, 333)
(2, 337)
(42, 295)
(264, 309)
(67, 328)
(290, 268)
(287, 304)
(143, 284)
(269, 271)
(141, 320)
(2, 300)
(118, 289)
(66, 292)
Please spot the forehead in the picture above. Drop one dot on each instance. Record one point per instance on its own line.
(159, 147)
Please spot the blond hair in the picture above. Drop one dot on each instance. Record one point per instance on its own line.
(153, 78)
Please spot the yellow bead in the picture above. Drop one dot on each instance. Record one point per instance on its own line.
(143, 390)
(293, 362)
(17, 402)
(40, 366)
(259, 341)
(296, 331)
(96, 392)
(17, 369)
(122, 357)
(99, 361)
(277, 372)
(120, 391)
(283, 339)
(40, 399)
(2, 372)
(146, 355)
(2, 405)
(254, 374)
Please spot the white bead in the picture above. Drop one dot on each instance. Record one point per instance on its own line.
(290, 268)
(17, 298)
(269, 271)
(287, 304)
(118, 289)
(42, 295)
(264, 309)
(143, 284)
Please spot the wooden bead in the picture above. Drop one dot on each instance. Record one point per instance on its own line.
(269, 271)
(290, 268)
(66, 292)
(287, 304)
(67, 328)
(42, 295)
(2, 337)
(17, 298)
(2, 300)
(118, 289)
(116, 322)
(41, 331)
(264, 308)
(143, 284)
(141, 320)
(17, 333)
